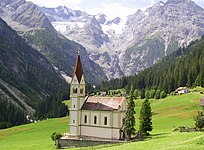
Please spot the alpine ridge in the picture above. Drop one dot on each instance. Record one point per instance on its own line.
(125, 46)
(33, 25)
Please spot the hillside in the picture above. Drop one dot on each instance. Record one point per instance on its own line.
(10, 115)
(170, 112)
(62, 53)
(32, 24)
(182, 68)
(26, 77)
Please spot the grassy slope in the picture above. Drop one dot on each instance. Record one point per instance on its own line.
(32, 136)
(170, 112)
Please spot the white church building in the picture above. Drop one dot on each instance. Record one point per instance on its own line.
(94, 117)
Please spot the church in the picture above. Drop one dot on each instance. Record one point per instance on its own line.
(94, 118)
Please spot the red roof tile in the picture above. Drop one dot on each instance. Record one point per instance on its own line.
(78, 71)
(103, 103)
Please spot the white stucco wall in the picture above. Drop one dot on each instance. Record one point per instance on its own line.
(115, 119)
(73, 118)
(73, 130)
(73, 103)
(99, 132)
(82, 100)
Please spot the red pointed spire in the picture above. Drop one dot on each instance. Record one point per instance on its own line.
(78, 71)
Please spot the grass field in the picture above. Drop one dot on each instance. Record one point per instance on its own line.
(32, 136)
(170, 112)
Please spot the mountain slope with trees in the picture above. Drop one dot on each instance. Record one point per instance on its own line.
(36, 29)
(26, 77)
(10, 115)
(185, 67)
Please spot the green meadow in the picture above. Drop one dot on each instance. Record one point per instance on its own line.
(169, 113)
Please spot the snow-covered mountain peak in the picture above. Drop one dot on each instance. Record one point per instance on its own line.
(124, 46)
(114, 26)
(101, 18)
(65, 20)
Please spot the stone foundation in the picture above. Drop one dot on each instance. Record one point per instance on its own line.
(71, 142)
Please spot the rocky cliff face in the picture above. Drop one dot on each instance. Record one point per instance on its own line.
(158, 31)
(94, 32)
(22, 15)
(127, 46)
(36, 29)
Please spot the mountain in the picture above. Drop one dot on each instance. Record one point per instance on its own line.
(22, 15)
(26, 76)
(92, 31)
(125, 46)
(36, 29)
(158, 31)
(182, 68)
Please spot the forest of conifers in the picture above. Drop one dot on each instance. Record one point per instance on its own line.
(10, 115)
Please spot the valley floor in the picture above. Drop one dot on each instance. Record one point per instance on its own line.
(170, 112)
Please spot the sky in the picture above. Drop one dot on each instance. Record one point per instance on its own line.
(112, 8)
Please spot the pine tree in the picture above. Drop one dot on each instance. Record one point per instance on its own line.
(146, 117)
(199, 120)
(129, 125)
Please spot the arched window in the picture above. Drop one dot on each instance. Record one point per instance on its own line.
(95, 120)
(74, 90)
(81, 91)
(85, 119)
(105, 121)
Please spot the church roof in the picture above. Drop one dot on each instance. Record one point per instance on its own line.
(78, 71)
(103, 103)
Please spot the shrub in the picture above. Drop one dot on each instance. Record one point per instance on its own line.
(55, 136)
(199, 120)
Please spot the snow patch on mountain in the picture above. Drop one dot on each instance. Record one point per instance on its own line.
(115, 28)
(62, 27)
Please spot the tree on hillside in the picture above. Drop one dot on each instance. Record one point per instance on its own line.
(199, 120)
(136, 93)
(146, 117)
(129, 124)
(52, 107)
(142, 94)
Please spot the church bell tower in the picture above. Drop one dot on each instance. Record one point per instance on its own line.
(77, 98)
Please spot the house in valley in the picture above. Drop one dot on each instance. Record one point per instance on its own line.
(182, 90)
(95, 118)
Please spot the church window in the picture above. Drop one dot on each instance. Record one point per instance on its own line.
(74, 90)
(95, 120)
(74, 106)
(81, 91)
(85, 119)
(105, 121)
(73, 121)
